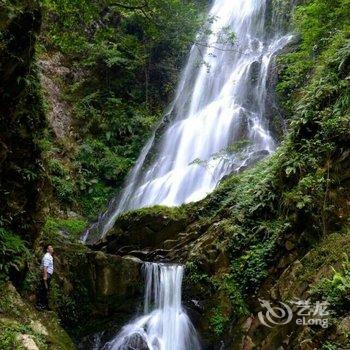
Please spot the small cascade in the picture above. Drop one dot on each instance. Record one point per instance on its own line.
(164, 324)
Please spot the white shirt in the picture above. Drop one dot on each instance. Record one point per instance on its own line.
(47, 261)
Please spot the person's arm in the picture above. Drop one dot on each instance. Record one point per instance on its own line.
(45, 273)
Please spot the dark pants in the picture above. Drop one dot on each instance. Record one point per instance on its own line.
(43, 294)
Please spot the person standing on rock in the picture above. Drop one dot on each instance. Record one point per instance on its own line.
(47, 271)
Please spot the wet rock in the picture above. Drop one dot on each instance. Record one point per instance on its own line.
(101, 286)
(59, 112)
(136, 342)
(254, 158)
(248, 323)
(137, 233)
(114, 276)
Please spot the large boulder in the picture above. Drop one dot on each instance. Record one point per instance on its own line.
(143, 231)
(89, 288)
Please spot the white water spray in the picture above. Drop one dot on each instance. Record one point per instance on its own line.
(164, 325)
(212, 111)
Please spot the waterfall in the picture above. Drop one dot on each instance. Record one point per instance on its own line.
(164, 324)
(217, 122)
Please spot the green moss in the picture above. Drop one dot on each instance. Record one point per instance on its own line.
(172, 213)
(56, 228)
(329, 252)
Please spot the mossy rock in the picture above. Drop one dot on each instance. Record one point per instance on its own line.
(90, 286)
(144, 229)
(19, 320)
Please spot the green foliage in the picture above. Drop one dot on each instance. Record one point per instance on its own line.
(320, 24)
(329, 345)
(64, 188)
(8, 338)
(336, 290)
(56, 228)
(13, 252)
(21, 117)
(230, 287)
(218, 321)
(194, 275)
(318, 20)
(251, 268)
(127, 60)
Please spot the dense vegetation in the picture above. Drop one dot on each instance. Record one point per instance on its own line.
(22, 119)
(296, 198)
(124, 61)
(113, 67)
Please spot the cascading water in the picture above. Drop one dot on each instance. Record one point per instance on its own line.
(215, 110)
(164, 325)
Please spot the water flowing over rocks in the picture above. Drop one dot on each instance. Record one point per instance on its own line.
(165, 324)
(217, 123)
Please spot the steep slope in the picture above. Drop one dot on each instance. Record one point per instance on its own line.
(23, 327)
(22, 123)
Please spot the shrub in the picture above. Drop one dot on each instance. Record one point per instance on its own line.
(336, 290)
(218, 321)
(13, 252)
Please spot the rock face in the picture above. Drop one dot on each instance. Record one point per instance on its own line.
(59, 118)
(294, 273)
(136, 342)
(146, 233)
(91, 288)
